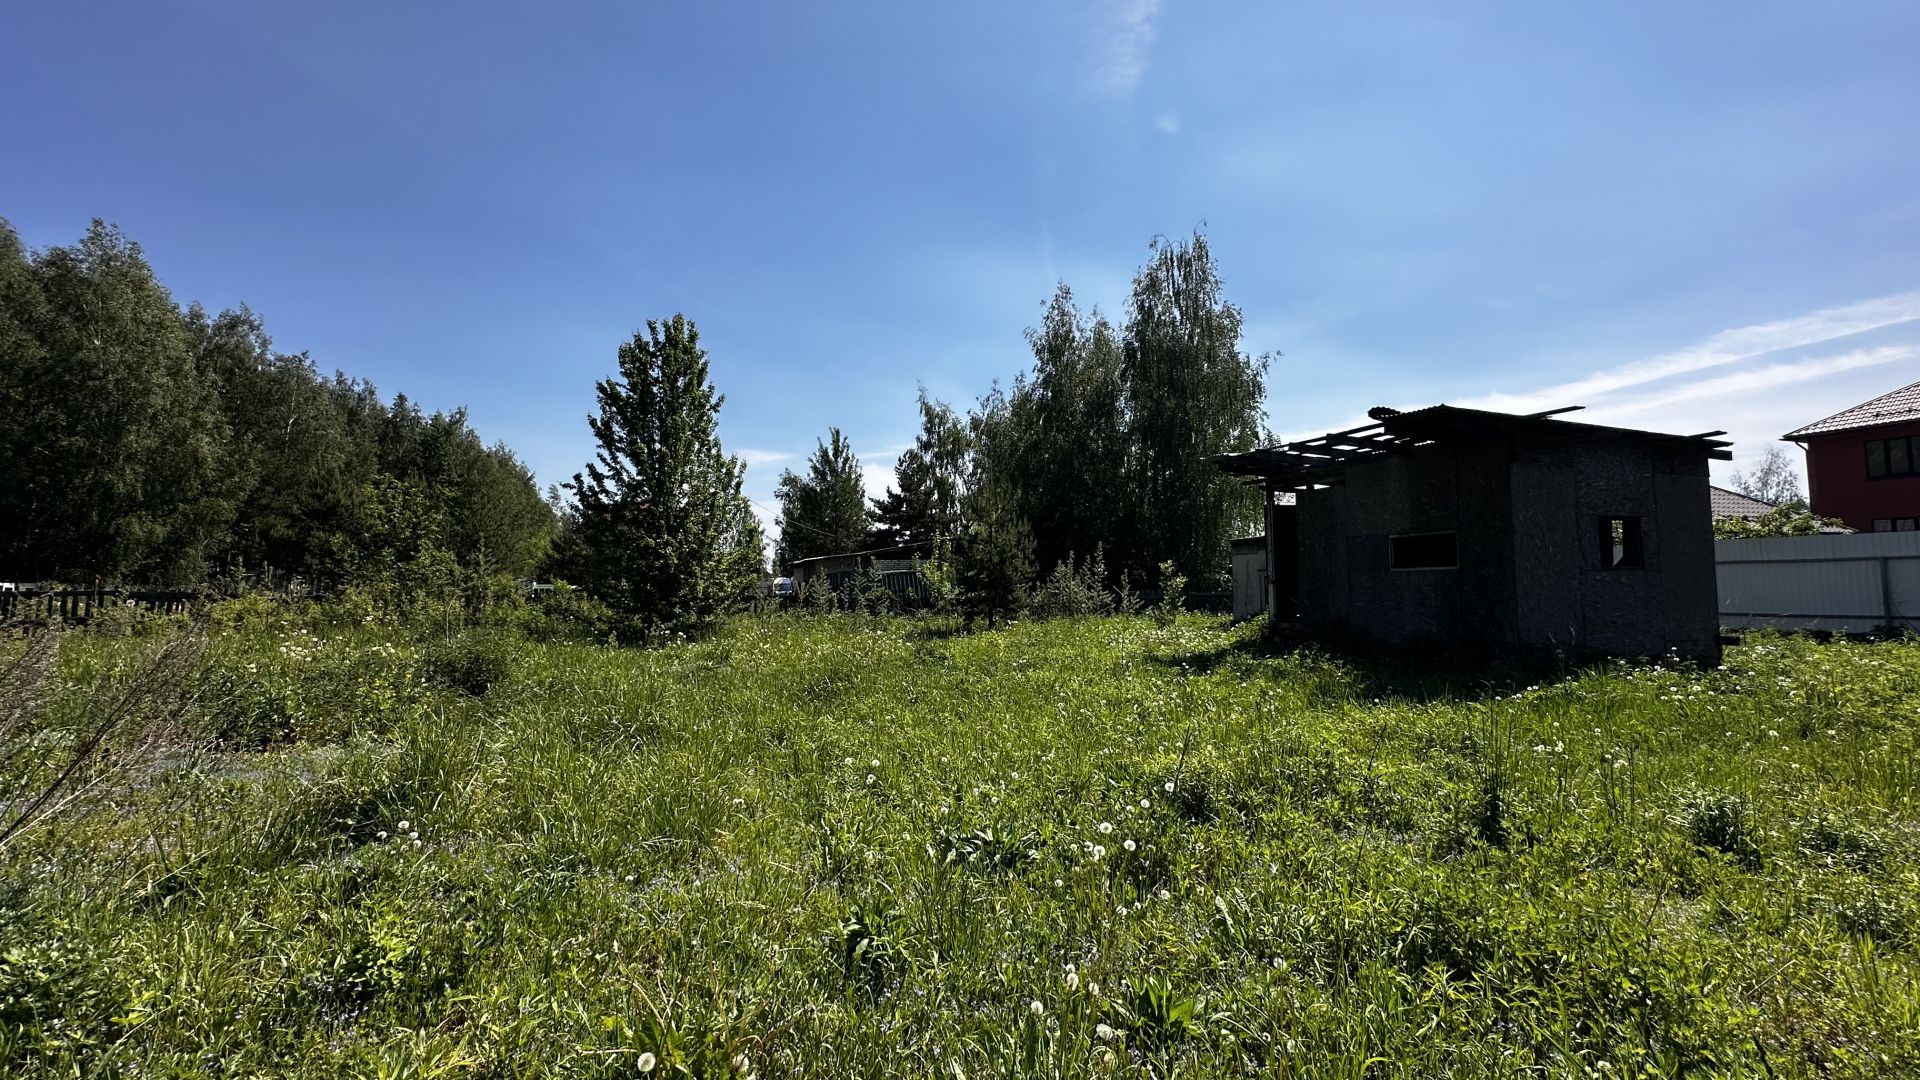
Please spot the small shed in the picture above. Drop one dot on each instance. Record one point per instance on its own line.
(896, 567)
(1506, 533)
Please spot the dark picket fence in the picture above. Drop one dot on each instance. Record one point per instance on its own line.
(82, 605)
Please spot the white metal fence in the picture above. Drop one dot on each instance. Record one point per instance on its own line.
(1851, 582)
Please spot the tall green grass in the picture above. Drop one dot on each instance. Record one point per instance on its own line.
(835, 846)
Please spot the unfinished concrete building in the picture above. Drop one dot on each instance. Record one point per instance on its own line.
(1505, 534)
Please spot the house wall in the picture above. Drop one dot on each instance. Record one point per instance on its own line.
(1838, 485)
(1569, 598)
(1531, 574)
(1346, 582)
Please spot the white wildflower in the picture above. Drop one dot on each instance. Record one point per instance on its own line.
(1104, 1032)
(405, 825)
(1129, 845)
(1036, 1008)
(872, 778)
(1106, 827)
(647, 1062)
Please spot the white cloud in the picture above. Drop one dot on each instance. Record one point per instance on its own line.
(753, 457)
(1726, 381)
(1168, 123)
(1726, 347)
(1126, 38)
(1740, 385)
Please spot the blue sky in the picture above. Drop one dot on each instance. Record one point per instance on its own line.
(1684, 216)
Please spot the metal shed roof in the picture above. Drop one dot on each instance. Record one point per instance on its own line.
(1320, 461)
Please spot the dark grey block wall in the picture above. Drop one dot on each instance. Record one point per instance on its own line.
(1531, 576)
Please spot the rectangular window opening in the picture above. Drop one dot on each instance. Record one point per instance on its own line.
(1903, 525)
(1424, 551)
(1620, 544)
(1882, 524)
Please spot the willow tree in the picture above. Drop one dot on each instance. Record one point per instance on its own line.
(661, 530)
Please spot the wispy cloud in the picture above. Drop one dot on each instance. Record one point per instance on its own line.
(1727, 347)
(754, 457)
(1168, 123)
(1735, 379)
(1737, 386)
(1126, 37)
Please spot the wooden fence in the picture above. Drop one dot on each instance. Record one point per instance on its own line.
(82, 605)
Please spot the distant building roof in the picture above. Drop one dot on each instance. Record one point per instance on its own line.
(1732, 504)
(1898, 407)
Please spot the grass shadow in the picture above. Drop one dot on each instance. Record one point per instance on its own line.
(1419, 673)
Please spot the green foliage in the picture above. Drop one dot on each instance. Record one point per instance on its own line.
(825, 511)
(1075, 848)
(1779, 521)
(930, 481)
(158, 446)
(1173, 594)
(1109, 440)
(472, 662)
(1075, 588)
(993, 560)
(938, 576)
(565, 613)
(661, 532)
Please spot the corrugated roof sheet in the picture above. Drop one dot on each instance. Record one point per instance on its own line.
(1735, 505)
(1898, 407)
(1314, 462)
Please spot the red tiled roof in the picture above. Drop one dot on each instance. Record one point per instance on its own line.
(1898, 407)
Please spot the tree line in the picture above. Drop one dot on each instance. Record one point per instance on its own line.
(152, 444)
(1103, 445)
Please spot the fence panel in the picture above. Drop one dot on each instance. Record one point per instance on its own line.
(1852, 582)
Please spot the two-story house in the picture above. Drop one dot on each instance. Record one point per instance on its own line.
(1863, 464)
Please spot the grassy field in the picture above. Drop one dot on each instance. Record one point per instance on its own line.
(841, 847)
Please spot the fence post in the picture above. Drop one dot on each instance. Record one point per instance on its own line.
(1886, 595)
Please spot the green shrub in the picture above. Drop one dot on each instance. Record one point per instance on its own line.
(472, 662)
(1719, 821)
(565, 613)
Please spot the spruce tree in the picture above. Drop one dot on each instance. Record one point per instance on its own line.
(662, 531)
(825, 511)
